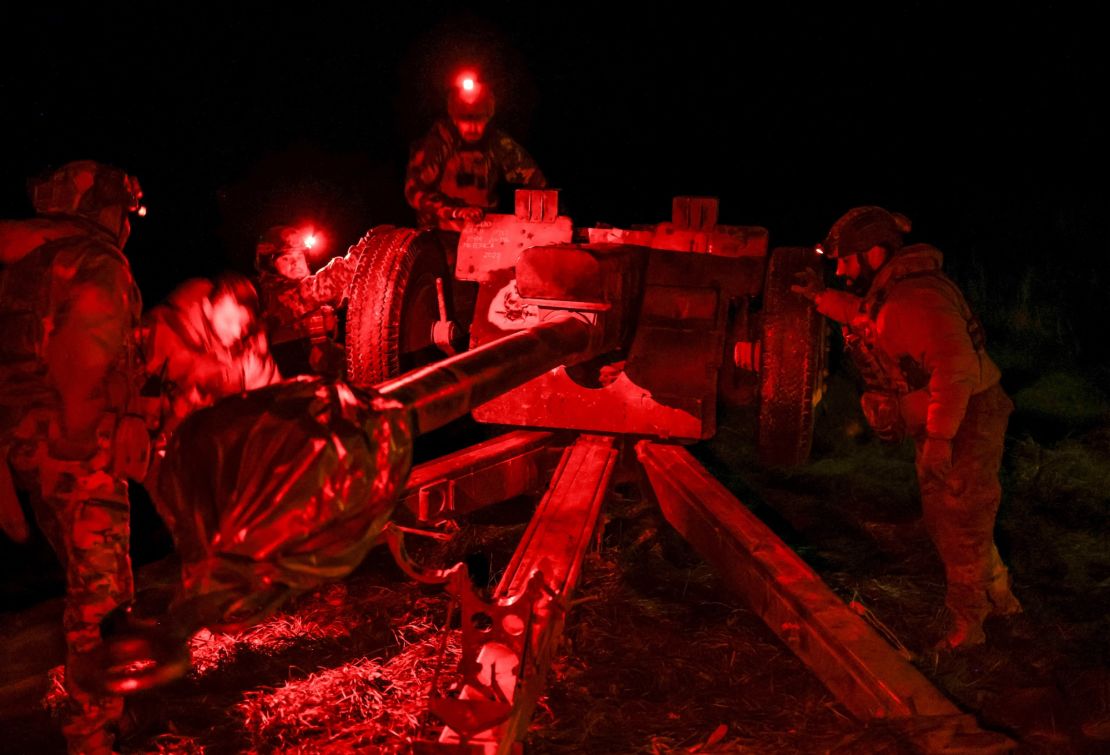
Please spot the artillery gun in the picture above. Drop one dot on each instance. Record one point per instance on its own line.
(607, 349)
(717, 321)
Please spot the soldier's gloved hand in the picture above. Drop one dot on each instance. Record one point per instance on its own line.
(468, 214)
(810, 285)
(936, 458)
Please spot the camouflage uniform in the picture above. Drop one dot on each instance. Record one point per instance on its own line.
(919, 350)
(179, 342)
(300, 314)
(445, 173)
(328, 286)
(68, 312)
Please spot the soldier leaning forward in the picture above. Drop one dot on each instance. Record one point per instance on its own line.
(454, 172)
(920, 352)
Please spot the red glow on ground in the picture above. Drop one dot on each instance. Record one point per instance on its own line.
(319, 619)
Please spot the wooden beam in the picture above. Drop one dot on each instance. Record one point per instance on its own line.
(846, 654)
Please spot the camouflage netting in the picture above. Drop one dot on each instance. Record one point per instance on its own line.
(277, 490)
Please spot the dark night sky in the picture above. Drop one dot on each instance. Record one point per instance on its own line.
(985, 130)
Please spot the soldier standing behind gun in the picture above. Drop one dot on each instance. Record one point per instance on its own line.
(69, 376)
(920, 352)
(454, 173)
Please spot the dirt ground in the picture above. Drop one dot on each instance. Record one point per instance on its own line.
(659, 656)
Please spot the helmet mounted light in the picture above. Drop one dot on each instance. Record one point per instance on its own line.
(469, 98)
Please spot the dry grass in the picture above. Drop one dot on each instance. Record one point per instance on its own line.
(320, 616)
(661, 658)
(367, 705)
(853, 515)
(658, 656)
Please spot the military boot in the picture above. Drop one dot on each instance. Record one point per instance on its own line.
(1003, 602)
(967, 606)
(962, 632)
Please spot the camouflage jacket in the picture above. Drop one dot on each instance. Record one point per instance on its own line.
(915, 332)
(289, 305)
(328, 286)
(179, 342)
(445, 172)
(69, 309)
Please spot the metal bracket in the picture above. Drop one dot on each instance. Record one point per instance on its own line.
(436, 500)
(395, 538)
(495, 659)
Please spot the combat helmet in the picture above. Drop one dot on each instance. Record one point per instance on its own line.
(861, 228)
(94, 191)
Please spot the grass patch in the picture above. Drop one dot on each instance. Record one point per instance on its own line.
(1069, 397)
(1069, 482)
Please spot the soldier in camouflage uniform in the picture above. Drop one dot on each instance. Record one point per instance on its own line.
(69, 308)
(920, 352)
(205, 342)
(299, 307)
(454, 173)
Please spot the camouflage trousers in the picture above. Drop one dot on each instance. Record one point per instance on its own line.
(85, 515)
(959, 512)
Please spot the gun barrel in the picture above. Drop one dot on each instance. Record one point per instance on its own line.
(444, 391)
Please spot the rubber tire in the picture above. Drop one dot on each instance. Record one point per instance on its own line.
(392, 304)
(792, 362)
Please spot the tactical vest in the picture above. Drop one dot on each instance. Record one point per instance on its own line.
(30, 292)
(470, 175)
(285, 314)
(882, 372)
(24, 304)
